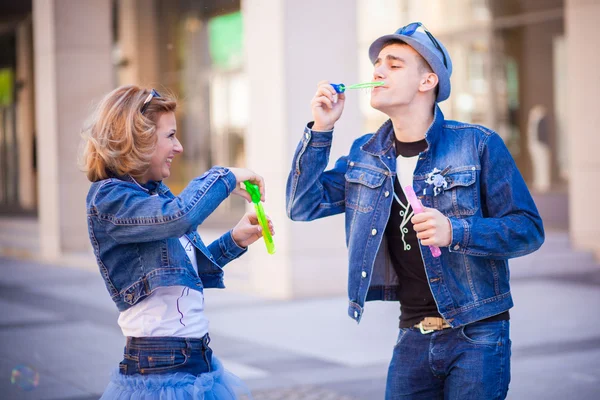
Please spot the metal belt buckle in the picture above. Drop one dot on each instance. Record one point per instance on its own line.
(423, 330)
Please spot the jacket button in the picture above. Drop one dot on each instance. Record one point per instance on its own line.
(374, 232)
(355, 314)
(456, 247)
(364, 274)
(386, 194)
(307, 135)
(352, 163)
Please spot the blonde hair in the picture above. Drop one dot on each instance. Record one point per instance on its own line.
(119, 139)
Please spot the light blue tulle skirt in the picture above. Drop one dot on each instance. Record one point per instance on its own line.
(219, 384)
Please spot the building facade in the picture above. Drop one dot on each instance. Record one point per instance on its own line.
(244, 73)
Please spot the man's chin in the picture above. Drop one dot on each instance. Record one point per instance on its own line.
(378, 105)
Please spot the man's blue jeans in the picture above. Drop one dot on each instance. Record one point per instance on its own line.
(467, 363)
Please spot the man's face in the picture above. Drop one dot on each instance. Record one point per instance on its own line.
(398, 65)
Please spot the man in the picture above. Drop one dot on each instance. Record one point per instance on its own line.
(454, 321)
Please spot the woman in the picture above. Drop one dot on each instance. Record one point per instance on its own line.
(152, 260)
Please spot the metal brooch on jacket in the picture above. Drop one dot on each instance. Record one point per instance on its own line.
(437, 179)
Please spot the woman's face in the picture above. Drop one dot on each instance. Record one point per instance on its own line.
(167, 147)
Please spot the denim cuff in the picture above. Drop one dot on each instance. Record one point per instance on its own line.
(229, 248)
(228, 178)
(460, 235)
(317, 138)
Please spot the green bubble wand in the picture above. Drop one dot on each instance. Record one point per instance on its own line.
(254, 192)
(341, 88)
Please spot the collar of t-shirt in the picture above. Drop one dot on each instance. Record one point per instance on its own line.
(410, 149)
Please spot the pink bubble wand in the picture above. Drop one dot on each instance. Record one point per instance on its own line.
(418, 209)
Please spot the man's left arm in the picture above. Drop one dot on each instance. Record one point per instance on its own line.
(511, 225)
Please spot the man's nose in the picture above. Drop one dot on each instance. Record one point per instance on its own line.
(378, 73)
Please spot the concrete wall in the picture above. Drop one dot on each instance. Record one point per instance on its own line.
(581, 20)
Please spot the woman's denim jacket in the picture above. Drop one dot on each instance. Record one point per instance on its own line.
(135, 230)
(466, 173)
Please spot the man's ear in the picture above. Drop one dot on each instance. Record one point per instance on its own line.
(428, 82)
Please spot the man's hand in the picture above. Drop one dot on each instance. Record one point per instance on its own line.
(248, 231)
(327, 106)
(432, 227)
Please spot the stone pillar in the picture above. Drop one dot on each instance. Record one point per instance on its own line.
(73, 70)
(290, 47)
(25, 115)
(137, 43)
(581, 20)
(196, 78)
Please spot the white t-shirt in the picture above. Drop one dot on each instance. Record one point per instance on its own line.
(405, 166)
(169, 311)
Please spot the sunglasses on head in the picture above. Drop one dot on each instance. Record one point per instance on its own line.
(152, 94)
(410, 29)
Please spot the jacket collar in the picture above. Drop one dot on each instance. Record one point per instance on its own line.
(150, 186)
(382, 140)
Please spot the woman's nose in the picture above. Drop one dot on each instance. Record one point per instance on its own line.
(178, 147)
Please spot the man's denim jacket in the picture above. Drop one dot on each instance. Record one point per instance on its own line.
(135, 230)
(466, 173)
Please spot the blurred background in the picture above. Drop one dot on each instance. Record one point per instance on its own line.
(244, 73)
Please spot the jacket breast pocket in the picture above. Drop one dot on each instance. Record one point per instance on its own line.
(362, 188)
(460, 197)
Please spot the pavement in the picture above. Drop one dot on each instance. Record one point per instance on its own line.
(59, 338)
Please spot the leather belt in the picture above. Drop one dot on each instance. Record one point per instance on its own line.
(431, 324)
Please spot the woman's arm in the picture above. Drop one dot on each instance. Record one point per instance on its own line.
(136, 216)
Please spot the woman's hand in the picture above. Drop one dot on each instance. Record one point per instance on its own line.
(248, 231)
(243, 174)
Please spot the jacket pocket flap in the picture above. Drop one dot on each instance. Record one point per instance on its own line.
(463, 178)
(365, 177)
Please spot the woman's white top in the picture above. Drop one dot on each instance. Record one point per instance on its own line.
(168, 311)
